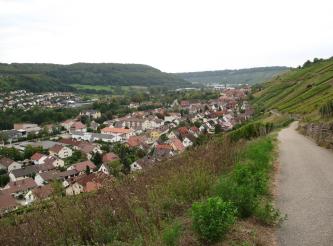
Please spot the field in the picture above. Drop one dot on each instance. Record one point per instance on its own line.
(116, 90)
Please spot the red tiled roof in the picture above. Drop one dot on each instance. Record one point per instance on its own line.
(218, 113)
(6, 161)
(78, 125)
(134, 141)
(108, 157)
(37, 156)
(69, 141)
(194, 129)
(42, 192)
(20, 185)
(86, 147)
(56, 148)
(182, 130)
(184, 103)
(81, 166)
(7, 201)
(164, 146)
(115, 130)
(177, 144)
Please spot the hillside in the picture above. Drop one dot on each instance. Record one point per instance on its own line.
(52, 77)
(240, 76)
(300, 91)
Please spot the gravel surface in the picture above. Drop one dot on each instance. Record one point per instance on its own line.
(305, 190)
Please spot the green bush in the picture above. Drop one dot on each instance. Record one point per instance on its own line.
(248, 181)
(251, 130)
(268, 214)
(213, 218)
(326, 110)
(243, 197)
(172, 234)
(4, 179)
(250, 175)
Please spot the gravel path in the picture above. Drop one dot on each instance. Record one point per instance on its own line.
(305, 191)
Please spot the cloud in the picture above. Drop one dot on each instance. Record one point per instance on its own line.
(172, 35)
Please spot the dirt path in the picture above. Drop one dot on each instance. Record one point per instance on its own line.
(305, 191)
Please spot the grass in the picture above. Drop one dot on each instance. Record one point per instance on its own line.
(93, 87)
(116, 90)
(134, 210)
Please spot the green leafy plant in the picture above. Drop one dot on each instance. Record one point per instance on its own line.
(213, 218)
(268, 214)
(172, 234)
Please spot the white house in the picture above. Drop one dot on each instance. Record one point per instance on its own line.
(53, 160)
(38, 158)
(187, 142)
(135, 166)
(60, 151)
(121, 132)
(9, 164)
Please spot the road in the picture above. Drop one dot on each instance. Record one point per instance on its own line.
(305, 190)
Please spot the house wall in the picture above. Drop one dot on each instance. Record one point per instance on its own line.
(14, 166)
(39, 180)
(104, 169)
(74, 189)
(65, 152)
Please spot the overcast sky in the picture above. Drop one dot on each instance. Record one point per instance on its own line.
(171, 35)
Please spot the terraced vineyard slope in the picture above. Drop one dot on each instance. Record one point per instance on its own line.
(301, 91)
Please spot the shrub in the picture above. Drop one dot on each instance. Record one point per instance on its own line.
(268, 215)
(243, 197)
(251, 130)
(172, 234)
(248, 181)
(249, 175)
(212, 218)
(326, 110)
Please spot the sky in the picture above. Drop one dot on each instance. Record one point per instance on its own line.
(171, 35)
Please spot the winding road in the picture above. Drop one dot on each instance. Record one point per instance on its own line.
(305, 190)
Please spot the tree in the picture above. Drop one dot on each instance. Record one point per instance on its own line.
(85, 119)
(4, 179)
(77, 156)
(87, 171)
(3, 138)
(115, 168)
(164, 137)
(197, 123)
(97, 159)
(11, 153)
(218, 128)
(29, 151)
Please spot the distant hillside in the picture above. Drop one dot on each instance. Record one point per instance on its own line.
(51, 77)
(302, 90)
(240, 76)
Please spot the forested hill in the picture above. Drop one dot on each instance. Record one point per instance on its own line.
(240, 76)
(51, 77)
(304, 90)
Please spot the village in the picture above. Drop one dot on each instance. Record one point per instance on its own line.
(84, 154)
(21, 99)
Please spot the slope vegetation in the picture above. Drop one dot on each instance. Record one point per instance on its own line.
(241, 76)
(51, 77)
(301, 91)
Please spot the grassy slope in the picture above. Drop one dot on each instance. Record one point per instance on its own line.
(300, 91)
(139, 211)
(240, 76)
